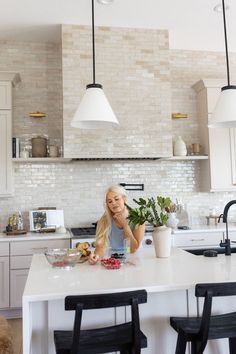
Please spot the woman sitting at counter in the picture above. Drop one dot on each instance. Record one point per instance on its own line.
(113, 228)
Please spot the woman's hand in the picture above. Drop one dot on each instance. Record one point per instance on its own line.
(120, 219)
(93, 258)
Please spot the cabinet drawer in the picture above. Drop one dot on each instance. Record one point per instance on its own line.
(197, 239)
(4, 249)
(20, 262)
(39, 246)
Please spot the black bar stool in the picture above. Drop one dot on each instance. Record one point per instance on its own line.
(125, 338)
(198, 330)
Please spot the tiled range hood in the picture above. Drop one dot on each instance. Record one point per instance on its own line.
(133, 65)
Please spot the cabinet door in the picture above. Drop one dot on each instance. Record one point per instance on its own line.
(4, 282)
(6, 184)
(213, 94)
(222, 159)
(5, 95)
(17, 284)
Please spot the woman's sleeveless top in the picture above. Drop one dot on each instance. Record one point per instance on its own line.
(116, 238)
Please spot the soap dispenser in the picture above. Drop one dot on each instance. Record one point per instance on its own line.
(180, 148)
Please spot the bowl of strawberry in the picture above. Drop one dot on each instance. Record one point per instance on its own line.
(111, 263)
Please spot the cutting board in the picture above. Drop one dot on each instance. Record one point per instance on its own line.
(15, 232)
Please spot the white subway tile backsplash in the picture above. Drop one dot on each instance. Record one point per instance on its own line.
(78, 187)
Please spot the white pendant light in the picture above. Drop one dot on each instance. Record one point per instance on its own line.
(224, 114)
(94, 111)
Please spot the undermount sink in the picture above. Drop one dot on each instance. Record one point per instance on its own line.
(219, 250)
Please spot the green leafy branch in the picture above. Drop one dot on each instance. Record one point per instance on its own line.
(151, 210)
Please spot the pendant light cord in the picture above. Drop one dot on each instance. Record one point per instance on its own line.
(226, 44)
(93, 39)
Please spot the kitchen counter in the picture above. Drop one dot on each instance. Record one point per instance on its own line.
(154, 274)
(206, 228)
(143, 271)
(32, 236)
(168, 283)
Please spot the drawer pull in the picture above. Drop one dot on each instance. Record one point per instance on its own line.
(197, 239)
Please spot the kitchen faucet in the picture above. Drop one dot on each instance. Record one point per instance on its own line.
(226, 243)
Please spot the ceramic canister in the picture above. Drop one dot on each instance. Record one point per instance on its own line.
(53, 151)
(39, 147)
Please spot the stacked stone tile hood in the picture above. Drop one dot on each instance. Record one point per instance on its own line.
(133, 65)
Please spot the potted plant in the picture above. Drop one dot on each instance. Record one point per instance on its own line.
(172, 219)
(153, 211)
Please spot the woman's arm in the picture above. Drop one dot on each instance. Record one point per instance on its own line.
(98, 253)
(135, 236)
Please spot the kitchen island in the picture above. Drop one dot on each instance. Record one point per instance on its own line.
(169, 282)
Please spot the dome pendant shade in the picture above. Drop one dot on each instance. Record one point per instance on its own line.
(94, 111)
(224, 114)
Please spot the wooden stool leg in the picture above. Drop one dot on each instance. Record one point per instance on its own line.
(181, 345)
(232, 345)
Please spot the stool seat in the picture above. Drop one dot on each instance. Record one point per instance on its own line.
(220, 326)
(102, 340)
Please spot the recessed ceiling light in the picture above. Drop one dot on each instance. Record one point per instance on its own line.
(218, 8)
(105, 2)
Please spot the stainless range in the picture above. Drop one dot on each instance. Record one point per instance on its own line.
(87, 234)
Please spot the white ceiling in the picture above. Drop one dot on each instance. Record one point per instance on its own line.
(192, 24)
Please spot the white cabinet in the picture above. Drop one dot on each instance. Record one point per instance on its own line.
(20, 259)
(4, 275)
(191, 239)
(7, 80)
(218, 173)
(5, 95)
(6, 185)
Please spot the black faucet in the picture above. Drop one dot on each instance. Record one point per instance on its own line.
(226, 244)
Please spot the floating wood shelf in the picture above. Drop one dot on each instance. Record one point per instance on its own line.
(189, 157)
(64, 159)
(42, 159)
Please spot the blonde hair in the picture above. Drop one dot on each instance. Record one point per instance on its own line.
(105, 223)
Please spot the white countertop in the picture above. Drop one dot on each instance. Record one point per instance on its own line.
(51, 235)
(181, 270)
(32, 236)
(206, 228)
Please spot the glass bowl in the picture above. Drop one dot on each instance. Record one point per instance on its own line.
(63, 257)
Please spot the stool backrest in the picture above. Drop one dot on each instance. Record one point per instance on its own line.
(217, 289)
(208, 291)
(105, 300)
(100, 301)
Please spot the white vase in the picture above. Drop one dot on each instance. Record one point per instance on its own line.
(180, 148)
(162, 241)
(172, 220)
